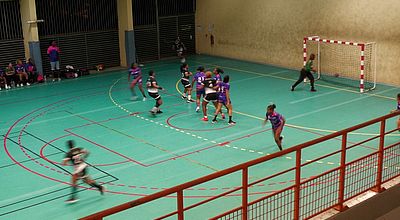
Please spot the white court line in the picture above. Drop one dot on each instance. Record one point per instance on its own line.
(334, 106)
(313, 97)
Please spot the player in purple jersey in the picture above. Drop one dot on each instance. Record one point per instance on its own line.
(217, 74)
(185, 80)
(224, 99)
(136, 74)
(76, 156)
(396, 110)
(198, 78)
(277, 122)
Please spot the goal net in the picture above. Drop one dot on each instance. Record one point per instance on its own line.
(350, 63)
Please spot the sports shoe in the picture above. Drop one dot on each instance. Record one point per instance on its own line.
(59, 79)
(231, 122)
(28, 84)
(102, 190)
(190, 100)
(71, 200)
(197, 109)
(292, 88)
(159, 112)
(223, 116)
(183, 97)
(214, 121)
(204, 119)
(313, 90)
(144, 99)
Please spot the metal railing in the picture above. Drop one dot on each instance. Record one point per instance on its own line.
(305, 197)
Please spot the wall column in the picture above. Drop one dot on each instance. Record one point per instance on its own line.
(31, 33)
(126, 34)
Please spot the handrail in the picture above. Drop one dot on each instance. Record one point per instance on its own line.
(178, 189)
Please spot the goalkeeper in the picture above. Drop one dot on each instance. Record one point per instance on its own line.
(306, 72)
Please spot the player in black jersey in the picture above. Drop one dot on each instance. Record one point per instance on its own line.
(77, 157)
(152, 89)
(210, 86)
(186, 82)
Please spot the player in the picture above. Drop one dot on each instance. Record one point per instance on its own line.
(396, 110)
(136, 74)
(186, 82)
(306, 72)
(210, 88)
(217, 74)
(277, 122)
(77, 157)
(224, 99)
(198, 78)
(152, 88)
(180, 48)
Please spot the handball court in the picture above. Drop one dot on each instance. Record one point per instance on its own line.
(134, 153)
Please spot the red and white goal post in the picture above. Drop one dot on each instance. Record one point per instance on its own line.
(344, 59)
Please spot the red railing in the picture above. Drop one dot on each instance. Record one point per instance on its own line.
(306, 197)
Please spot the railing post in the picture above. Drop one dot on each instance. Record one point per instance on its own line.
(180, 205)
(340, 207)
(297, 186)
(245, 175)
(378, 188)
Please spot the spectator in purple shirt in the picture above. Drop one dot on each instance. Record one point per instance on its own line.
(54, 56)
(21, 73)
(277, 122)
(30, 68)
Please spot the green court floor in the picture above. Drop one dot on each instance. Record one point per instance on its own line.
(134, 153)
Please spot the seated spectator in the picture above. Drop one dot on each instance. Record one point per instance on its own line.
(30, 68)
(21, 73)
(2, 79)
(11, 76)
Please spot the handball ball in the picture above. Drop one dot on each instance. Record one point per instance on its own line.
(336, 75)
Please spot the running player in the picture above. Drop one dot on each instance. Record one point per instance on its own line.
(152, 88)
(277, 122)
(198, 78)
(77, 156)
(136, 74)
(186, 82)
(210, 88)
(306, 72)
(224, 99)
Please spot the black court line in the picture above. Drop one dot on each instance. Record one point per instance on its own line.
(24, 161)
(45, 201)
(37, 155)
(63, 151)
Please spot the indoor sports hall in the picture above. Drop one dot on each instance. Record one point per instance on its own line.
(339, 142)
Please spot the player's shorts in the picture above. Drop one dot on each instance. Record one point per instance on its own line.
(222, 99)
(80, 170)
(211, 97)
(155, 96)
(186, 83)
(140, 81)
(200, 92)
